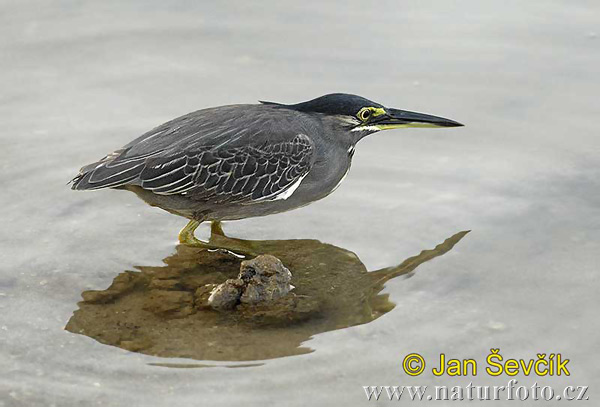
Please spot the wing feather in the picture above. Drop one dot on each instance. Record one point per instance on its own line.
(242, 174)
(233, 153)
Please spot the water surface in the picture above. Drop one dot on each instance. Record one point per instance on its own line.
(162, 311)
(80, 79)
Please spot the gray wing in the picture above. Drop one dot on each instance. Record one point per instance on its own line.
(230, 154)
(235, 174)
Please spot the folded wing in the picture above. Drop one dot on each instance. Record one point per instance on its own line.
(245, 173)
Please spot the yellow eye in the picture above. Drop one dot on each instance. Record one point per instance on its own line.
(364, 114)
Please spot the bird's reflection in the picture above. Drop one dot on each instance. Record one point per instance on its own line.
(155, 310)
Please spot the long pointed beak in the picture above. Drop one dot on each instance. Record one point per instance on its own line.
(396, 118)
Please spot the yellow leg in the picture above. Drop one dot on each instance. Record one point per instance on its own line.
(186, 236)
(216, 228)
(218, 240)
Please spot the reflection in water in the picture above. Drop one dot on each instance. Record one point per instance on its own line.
(157, 311)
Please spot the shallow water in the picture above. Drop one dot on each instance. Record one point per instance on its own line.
(81, 79)
(162, 311)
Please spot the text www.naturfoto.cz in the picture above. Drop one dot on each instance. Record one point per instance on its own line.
(470, 392)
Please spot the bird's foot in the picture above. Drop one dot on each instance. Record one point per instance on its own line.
(218, 241)
(186, 236)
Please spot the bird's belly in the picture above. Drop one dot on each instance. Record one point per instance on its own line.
(206, 211)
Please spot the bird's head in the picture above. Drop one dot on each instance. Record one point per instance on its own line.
(362, 116)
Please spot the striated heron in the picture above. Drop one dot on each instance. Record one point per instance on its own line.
(239, 161)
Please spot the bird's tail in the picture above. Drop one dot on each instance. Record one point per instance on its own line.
(112, 171)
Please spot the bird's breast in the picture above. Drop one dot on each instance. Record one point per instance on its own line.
(327, 173)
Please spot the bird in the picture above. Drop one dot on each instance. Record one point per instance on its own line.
(239, 161)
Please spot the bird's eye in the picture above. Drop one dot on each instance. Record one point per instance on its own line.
(364, 114)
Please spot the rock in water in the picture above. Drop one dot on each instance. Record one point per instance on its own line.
(262, 279)
(227, 295)
(266, 279)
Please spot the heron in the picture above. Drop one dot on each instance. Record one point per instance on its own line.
(246, 160)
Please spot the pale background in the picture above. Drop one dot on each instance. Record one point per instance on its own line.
(79, 79)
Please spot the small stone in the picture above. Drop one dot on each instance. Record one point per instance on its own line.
(266, 278)
(202, 294)
(261, 280)
(227, 295)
